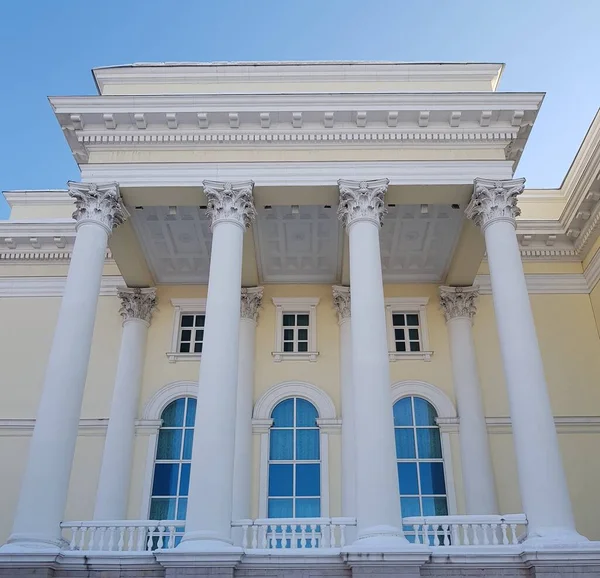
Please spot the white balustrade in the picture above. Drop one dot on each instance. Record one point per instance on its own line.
(448, 531)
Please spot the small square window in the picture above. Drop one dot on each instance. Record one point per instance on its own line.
(295, 336)
(188, 330)
(407, 328)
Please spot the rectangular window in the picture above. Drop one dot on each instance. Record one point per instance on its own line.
(295, 332)
(191, 333)
(296, 328)
(406, 329)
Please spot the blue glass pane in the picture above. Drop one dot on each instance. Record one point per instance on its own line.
(410, 507)
(182, 509)
(184, 484)
(307, 444)
(403, 412)
(432, 478)
(407, 478)
(428, 442)
(165, 480)
(280, 508)
(435, 507)
(281, 480)
(308, 480)
(190, 416)
(308, 508)
(169, 444)
(172, 415)
(282, 444)
(188, 442)
(405, 443)
(162, 508)
(283, 414)
(306, 414)
(425, 413)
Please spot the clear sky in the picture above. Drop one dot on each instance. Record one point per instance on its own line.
(49, 47)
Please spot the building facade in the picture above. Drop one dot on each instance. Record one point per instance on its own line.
(301, 319)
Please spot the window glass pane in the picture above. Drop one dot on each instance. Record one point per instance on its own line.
(188, 442)
(288, 346)
(200, 320)
(303, 334)
(307, 444)
(282, 444)
(190, 416)
(399, 334)
(288, 334)
(415, 346)
(302, 346)
(400, 346)
(162, 508)
(308, 508)
(283, 414)
(181, 509)
(302, 320)
(280, 508)
(289, 320)
(435, 507)
(172, 415)
(186, 335)
(432, 477)
(184, 348)
(281, 479)
(413, 334)
(187, 321)
(169, 444)
(403, 412)
(199, 334)
(165, 480)
(428, 443)
(308, 479)
(410, 507)
(306, 413)
(184, 484)
(425, 413)
(412, 319)
(405, 443)
(398, 319)
(198, 347)
(407, 477)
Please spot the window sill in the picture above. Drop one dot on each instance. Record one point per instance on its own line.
(279, 356)
(418, 355)
(174, 357)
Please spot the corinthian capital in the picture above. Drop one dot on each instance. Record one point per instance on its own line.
(137, 304)
(341, 301)
(230, 202)
(100, 203)
(458, 301)
(250, 302)
(494, 201)
(362, 200)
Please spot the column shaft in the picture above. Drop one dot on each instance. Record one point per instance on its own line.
(348, 421)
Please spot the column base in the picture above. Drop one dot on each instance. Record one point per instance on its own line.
(381, 536)
(26, 543)
(555, 537)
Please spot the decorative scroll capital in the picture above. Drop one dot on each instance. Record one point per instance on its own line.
(362, 201)
(230, 202)
(100, 203)
(341, 301)
(459, 301)
(137, 304)
(250, 302)
(494, 200)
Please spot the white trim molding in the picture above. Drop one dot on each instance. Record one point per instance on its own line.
(88, 426)
(181, 306)
(408, 305)
(51, 286)
(592, 271)
(564, 283)
(306, 305)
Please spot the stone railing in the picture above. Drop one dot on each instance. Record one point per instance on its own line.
(449, 531)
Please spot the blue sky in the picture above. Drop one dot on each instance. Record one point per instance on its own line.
(48, 48)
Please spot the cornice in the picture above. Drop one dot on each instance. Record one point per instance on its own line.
(502, 425)
(543, 284)
(42, 197)
(51, 286)
(13, 427)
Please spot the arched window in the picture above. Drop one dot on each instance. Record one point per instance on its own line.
(294, 470)
(171, 477)
(419, 459)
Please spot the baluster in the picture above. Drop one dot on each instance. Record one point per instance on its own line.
(446, 530)
(484, 531)
(436, 538)
(263, 533)
(495, 534)
(504, 536)
(171, 537)
(102, 532)
(513, 529)
(303, 538)
(455, 534)
(284, 536)
(141, 536)
(73, 538)
(272, 540)
(293, 539)
(254, 537)
(332, 538)
(111, 538)
(324, 543)
(151, 530)
(342, 535)
(82, 538)
(121, 542)
(313, 535)
(466, 541)
(476, 534)
(245, 536)
(92, 538)
(416, 529)
(130, 538)
(160, 542)
(426, 534)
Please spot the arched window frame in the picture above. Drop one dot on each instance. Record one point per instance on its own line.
(447, 422)
(152, 415)
(262, 422)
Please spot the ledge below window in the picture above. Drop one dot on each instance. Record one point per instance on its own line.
(419, 355)
(294, 356)
(174, 357)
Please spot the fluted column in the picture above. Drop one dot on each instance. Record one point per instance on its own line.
(45, 482)
(361, 211)
(242, 463)
(208, 524)
(458, 304)
(341, 300)
(542, 481)
(136, 310)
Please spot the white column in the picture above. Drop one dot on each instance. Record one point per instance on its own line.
(341, 300)
(379, 522)
(45, 482)
(242, 463)
(458, 304)
(208, 524)
(542, 481)
(136, 310)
